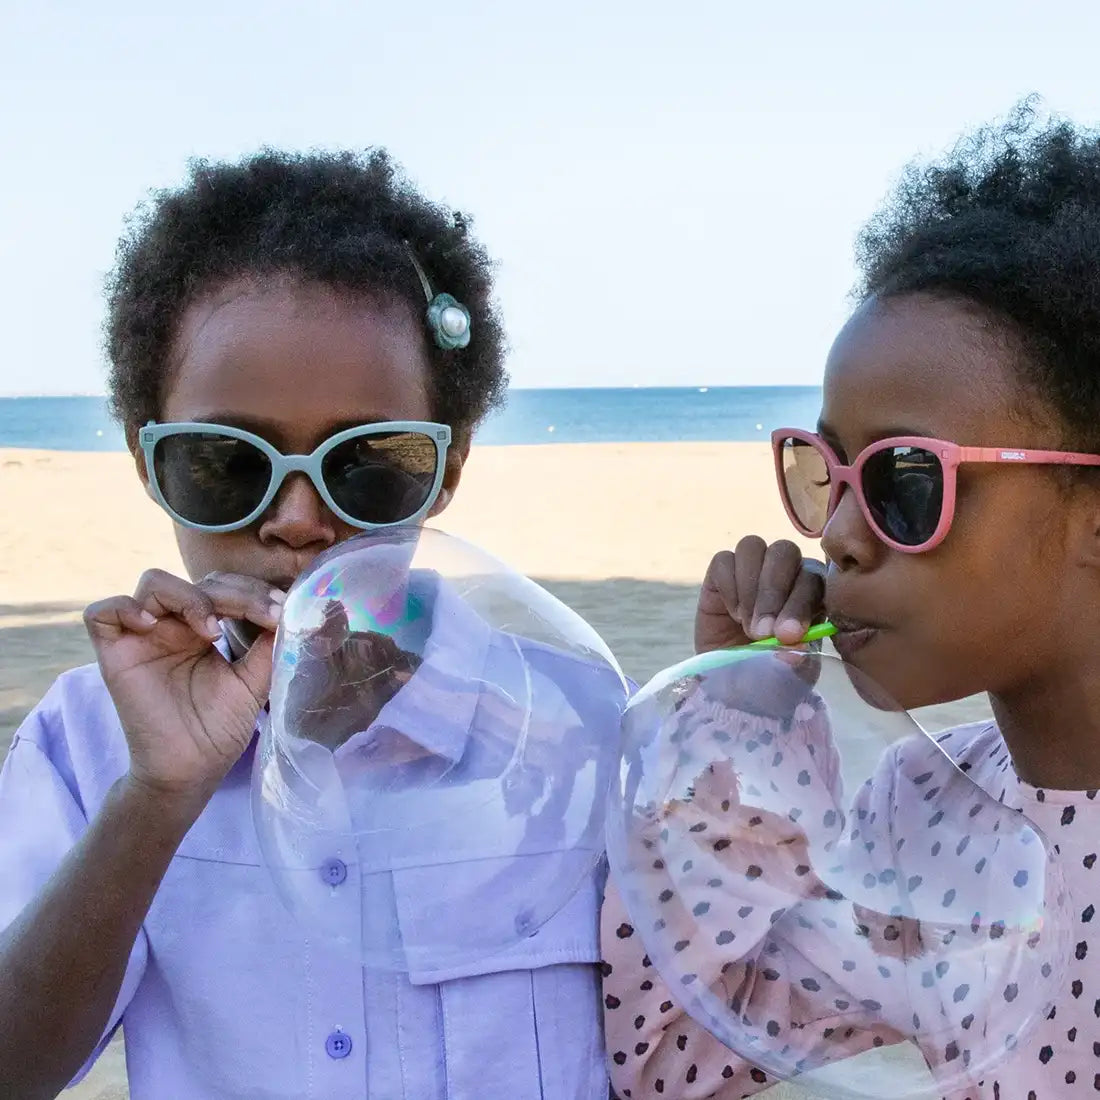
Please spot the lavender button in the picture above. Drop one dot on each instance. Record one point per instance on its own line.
(338, 1045)
(334, 871)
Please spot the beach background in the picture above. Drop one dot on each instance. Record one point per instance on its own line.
(621, 530)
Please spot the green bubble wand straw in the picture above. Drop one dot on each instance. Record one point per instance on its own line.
(719, 658)
(814, 634)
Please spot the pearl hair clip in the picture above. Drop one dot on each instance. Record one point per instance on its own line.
(448, 318)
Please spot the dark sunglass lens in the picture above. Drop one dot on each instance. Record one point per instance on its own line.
(210, 479)
(903, 487)
(383, 478)
(806, 484)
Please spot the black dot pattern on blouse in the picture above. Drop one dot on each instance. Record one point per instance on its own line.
(781, 991)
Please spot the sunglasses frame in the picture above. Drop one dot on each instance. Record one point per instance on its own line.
(950, 455)
(282, 466)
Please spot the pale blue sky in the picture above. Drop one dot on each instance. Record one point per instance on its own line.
(672, 189)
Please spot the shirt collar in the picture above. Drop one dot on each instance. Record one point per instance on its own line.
(436, 708)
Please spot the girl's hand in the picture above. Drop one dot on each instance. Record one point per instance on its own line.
(187, 712)
(757, 591)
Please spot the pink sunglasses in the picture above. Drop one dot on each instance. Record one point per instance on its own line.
(905, 487)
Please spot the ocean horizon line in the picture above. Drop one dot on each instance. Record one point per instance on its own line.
(565, 414)
(700, 386)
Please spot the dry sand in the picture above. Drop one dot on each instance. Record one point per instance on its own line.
(621, 532)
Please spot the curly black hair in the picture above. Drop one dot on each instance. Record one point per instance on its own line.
(1010, 223)
(340, 219)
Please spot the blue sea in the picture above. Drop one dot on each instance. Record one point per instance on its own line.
(697, 414)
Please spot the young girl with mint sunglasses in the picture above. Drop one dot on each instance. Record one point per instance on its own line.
(301, 348)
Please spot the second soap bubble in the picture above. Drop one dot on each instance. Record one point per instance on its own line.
(821, 886)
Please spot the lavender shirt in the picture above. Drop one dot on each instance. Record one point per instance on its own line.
(225, 997)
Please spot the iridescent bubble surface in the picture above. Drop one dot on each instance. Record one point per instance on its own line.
(430, 789)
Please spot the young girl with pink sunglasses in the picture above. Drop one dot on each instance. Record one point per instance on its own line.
(953, 482)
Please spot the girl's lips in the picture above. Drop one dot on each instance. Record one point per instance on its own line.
(852, 635)
(849, 642)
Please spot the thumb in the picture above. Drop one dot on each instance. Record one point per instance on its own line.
(254, 668)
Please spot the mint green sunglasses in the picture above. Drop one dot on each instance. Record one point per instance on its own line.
(216, 478)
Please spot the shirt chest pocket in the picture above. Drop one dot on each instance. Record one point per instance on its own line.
(526, 1023)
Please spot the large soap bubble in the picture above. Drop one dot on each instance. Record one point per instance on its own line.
(431, 786)
(820, 885)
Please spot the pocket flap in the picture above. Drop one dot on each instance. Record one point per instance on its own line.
(477, 918)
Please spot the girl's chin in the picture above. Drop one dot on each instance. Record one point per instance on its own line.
(888, 688)
(883, 684)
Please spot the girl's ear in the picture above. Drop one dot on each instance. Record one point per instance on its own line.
(457, 454)
(139, 463)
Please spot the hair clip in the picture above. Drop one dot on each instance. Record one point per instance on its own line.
(448, 318)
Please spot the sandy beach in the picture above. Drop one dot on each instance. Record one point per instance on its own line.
(621, 532)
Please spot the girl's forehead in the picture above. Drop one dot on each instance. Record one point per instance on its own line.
(918, 365)
(299, 357)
